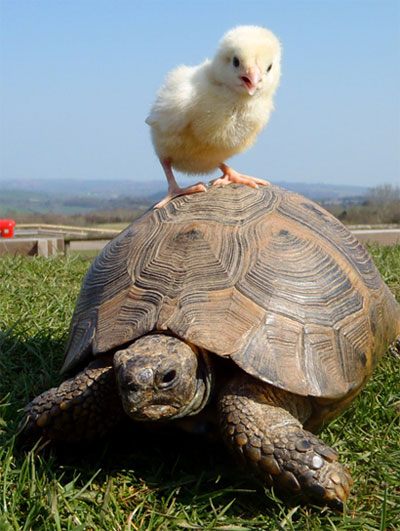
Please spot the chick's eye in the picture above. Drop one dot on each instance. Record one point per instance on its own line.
(235, 62)
(269, 68)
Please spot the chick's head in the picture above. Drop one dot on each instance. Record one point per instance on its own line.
(248, 61)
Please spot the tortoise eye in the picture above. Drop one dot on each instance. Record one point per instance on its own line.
(167, 378)
(235, 61)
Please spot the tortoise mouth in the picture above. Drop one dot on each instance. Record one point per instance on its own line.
(154, 412)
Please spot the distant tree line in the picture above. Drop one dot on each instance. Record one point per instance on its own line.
(118, 215)
(381, 206)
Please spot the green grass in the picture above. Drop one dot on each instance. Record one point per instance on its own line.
(153, 481)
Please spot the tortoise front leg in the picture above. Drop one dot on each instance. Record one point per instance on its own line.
(261, 425)
(81, 408)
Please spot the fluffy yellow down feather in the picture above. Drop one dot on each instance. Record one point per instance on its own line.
(205, 114)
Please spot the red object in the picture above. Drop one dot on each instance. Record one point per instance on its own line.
(7, 228)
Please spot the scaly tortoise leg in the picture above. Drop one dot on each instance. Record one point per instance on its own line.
(263, 426)
(81, 408)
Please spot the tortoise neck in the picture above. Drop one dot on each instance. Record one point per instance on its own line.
(205, 378)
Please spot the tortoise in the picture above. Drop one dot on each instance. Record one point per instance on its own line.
(254, 308)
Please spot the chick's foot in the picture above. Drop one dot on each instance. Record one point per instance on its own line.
(177, 191)
(232, 176)
(174, 190)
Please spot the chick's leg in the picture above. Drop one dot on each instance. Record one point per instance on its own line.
(232, 176)
(174, 190)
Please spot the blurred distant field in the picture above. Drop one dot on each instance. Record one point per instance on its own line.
(29, 203)
(72, 206)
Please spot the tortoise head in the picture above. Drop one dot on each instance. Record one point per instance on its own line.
(162, 377)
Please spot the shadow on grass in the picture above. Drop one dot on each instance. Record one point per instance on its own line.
(167, 462)
(28, 366)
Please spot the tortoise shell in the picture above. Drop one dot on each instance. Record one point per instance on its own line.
(265, 277)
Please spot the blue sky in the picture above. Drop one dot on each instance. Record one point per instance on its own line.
(78, 78)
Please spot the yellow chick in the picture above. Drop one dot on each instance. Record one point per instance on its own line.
(207, 113)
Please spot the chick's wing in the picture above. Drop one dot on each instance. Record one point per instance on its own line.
(175, 99)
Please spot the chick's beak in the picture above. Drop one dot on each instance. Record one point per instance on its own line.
(251, 79)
